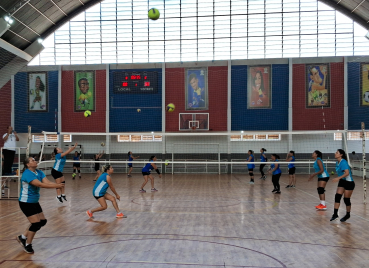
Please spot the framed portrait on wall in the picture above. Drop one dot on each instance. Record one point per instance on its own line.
(364, 84)
(84, 91)
(37, 92)
(259, 91)
(196, 85)
(318, 88)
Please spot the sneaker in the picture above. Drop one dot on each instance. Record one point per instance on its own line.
(153, 190)
(80, 177)
(59, 199)
(345, 218)
(321, 207)
(21, 241)
(334, 217)
(251, 182)
(142, 191)
(264, 177)
(293, 186)
(318, 206)
(274, 190)
(288, 186)
(278, 192)
(6, 187)
(89, 214)
(29, 249)
(129, 175)
(121, 215)
(64, 197)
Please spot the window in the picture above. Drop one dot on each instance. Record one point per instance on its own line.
(51, 138)
(139, 138)
(257, 137)
(351, 136)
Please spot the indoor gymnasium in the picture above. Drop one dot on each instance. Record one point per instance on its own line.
(184, 133)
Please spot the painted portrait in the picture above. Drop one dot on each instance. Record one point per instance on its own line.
(259, 87)
(37, 92)
(84, 88)
(196, 89)
(318, 85)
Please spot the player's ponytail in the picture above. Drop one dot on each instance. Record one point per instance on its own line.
(129, 153)
(343, 153)
(152, 157)
(276, 156)
(251, 151)
(25, 163)
(106, 168)
(319, 154)
(263, 149)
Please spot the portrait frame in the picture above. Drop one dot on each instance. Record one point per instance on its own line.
(364, 84)
(84, 101)
(318, 93)
(259, 96)
(38, 99)
(196, 101)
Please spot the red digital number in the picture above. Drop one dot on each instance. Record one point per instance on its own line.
(145, 77)
(136, 85)
(125, 84)
(146, 84)
(126, 77)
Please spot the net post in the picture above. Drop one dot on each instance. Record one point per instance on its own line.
(364, 160)
(43, 147)
(28, 141)
(344, 138)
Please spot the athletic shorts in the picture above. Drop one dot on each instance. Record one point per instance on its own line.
(291, 170)
(251, 169)
(97, 167)
(30, 209)
(97, 197)
(56, 174)
(76, 165)
(347, 185)
(146, 173)
(130, 165)
(323, 179)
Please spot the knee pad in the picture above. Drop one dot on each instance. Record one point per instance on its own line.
(35, 227)
(43, 222)
(251, 174)
(347, 201)
(337, 198)
(320, 190)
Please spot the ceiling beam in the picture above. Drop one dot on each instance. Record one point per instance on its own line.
(42, 14)
(65, 14)
(347, 12)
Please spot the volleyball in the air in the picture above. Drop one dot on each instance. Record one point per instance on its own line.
(154, 14)
(332, 172)
(170, 107)
(87, 113)
(167, 162)
(103, 144)
(139, 110)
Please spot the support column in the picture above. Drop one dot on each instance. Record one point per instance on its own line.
(107, 114)
(229, 114)
(290, 110)
(163, 114)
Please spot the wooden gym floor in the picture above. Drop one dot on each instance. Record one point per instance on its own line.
(193, 221)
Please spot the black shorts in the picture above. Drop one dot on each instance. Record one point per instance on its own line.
(56, 174)
(130, 165)
(251, 169)
(30, 209)
(76, 165)
(146, 173)
(97, 167)
(97, 197)
(347, 185)
(291, 170)
(323, 179)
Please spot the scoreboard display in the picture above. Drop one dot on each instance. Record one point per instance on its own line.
(135, 82)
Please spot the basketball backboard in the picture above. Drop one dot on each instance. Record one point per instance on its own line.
(193, 121)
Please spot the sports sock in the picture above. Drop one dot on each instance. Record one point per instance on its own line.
(59, 196)
(335, 211)
(23, 237)
(63, 194)
(322, 202)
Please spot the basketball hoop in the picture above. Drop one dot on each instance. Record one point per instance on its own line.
(193, 128)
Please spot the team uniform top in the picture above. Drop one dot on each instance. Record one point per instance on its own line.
(148, 167)
(341, 167)
(317, 168)
(277, 171)
(251, 166)
(28, 192)
(292, 165)
(59, 162)
(130, 158)
(76, 158)
(262, 158)
(101, 185)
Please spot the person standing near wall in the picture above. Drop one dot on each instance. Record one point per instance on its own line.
(10, 138)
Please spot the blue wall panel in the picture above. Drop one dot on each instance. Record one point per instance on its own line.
(356, 113)
(123, 108)
(39, 121)
(275, 118)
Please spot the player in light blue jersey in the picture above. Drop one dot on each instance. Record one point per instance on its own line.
(130, 165)
(276, 174)
(251, 167)
(345, 187)
(263, 159)
(146, 172)
(32, 180)
(100, 193)
(57, 171)
(77, 164)
(291, 169)
(323, 178)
